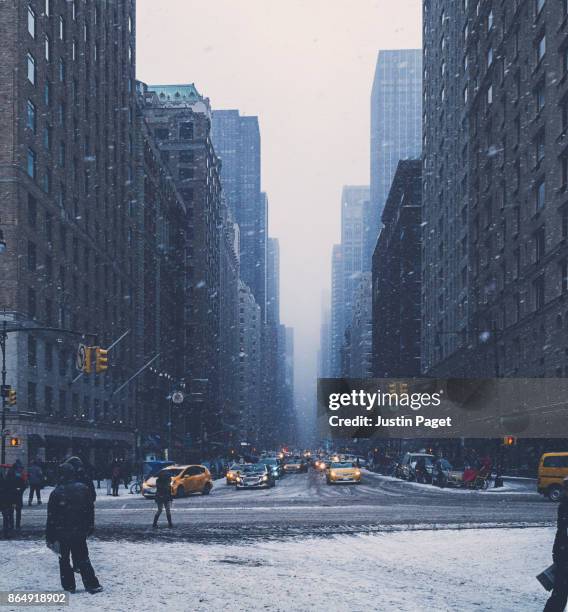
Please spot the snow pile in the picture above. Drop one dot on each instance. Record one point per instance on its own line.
(405, 571)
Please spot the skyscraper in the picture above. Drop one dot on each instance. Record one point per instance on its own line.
(396, 126)
(236, 139)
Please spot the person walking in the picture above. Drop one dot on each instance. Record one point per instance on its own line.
(70, 521)
(16, 485)
(115, 478)
(5, 505)
(559, 597)
(163, 497)
(35, 480)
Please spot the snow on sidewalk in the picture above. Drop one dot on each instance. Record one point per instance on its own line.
(489, 569)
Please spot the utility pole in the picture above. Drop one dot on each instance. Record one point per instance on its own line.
(3, 347)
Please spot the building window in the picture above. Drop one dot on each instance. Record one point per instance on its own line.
(32, 256)
(31, 303)
(540, 193)
(31, 116)
(186, 131)
(540, 97)
(489, 57)
(47, 181)
(563, 269)
(540, 48)
(31, 165)
(62, 70)
(539, 244)
(62, 153)
(48, 399)
(32, 211)
(490, 94)
(540, 147)
(539, 6)
(31, 69)
(74, 50)
(47, 48)
(32, 397)
(32, 350)
(31, 22)
(61, 28)
(538, 292)
(162, 133)
(48, 357)
(47, 136)
(47, 93)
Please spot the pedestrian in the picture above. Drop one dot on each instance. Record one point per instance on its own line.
(81, 475)
(5, 505)
(559, 597)
(70, 521)
(163, 497)
(35, 480)
(16, 485)
(115, 477)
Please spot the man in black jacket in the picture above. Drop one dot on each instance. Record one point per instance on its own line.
(70, 520)
(558, 599)
(82, 475)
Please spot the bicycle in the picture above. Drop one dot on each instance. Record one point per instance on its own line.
(136, 487)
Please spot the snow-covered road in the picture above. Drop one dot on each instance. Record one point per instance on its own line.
(464, 570)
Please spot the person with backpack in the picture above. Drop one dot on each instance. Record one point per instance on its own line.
(70, 521)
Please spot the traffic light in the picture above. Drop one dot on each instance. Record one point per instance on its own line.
(15, 441)
(101, 359)
(12, 399)
(87, 360)
(509, 441)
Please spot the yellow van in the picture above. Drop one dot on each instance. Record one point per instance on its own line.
(552, 470)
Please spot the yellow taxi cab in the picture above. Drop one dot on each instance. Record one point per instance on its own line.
(343, 471)
(232, 473)
(552, 469)
(185, 480)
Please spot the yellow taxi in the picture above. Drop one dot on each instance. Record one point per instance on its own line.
(552, 470)
(185, 480)
(232, 473)
(343, 471)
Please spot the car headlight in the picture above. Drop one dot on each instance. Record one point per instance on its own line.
(239, 479)
(357, 472)
(332, 473)
(265, 478)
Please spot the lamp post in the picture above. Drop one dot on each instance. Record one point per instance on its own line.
(3, 338)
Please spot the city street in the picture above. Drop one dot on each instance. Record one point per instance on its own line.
(302, 504)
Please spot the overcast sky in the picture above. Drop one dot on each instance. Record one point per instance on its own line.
(305, 67)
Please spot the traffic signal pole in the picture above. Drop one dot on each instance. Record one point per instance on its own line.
(3, 347)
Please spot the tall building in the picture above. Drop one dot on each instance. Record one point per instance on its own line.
(161, 219)
(237, 142)
(180, 120)
(337, 309)
(361, 329)
(66, 167)
(396, 126)
(324, 353)
(273, 281)
(229, 327)
(250, 374)
(445, 212)
(397, 278)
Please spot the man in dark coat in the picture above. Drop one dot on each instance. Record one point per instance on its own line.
(16, 485)
(81, 475)
(559, 598)
(35, 480)
(163, 496)
(5, 505)
(70, 520)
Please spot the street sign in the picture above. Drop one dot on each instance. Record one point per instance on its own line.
(81, 357)
(177, 397)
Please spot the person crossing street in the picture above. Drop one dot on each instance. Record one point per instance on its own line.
(163, 497)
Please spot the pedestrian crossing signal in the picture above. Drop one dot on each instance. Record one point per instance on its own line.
(15, 441)
(509, 441)
(12, 398)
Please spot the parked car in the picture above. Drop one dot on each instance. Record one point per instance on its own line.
(552, 469)
(255, 476)
(406, 468)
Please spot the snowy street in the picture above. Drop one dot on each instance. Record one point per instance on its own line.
(470, 569)
(302, 504)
